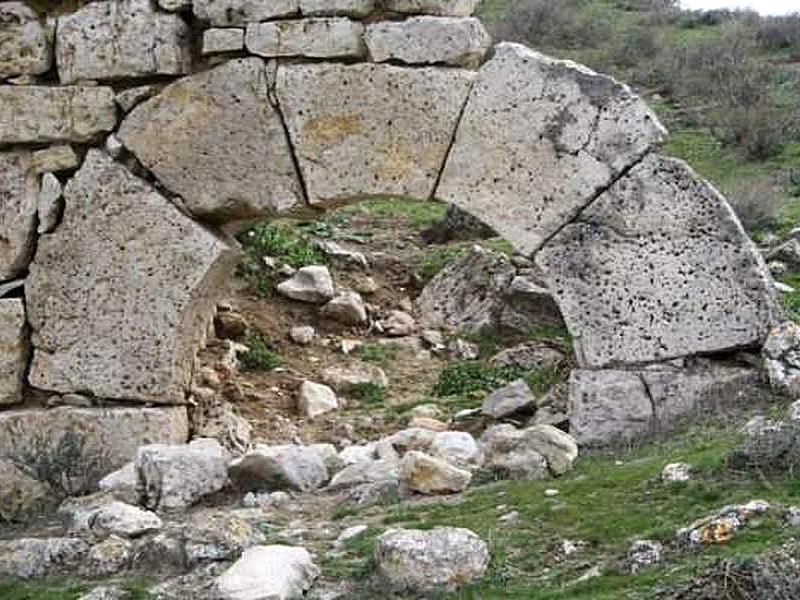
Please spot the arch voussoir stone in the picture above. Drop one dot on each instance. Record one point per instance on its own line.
(120, 296)
(539, 139)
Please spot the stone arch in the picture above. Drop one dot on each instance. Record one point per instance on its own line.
(559, 160)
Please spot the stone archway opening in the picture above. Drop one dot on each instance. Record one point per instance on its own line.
(647, 263)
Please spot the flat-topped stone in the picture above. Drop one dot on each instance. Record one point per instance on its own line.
(658, 267)
(216, 140)
(121, 39)
(38, 114)
(348, 8)
(462, 42)
(313, 38)
(539, 139)
(25, 43)
(442, 8)
(223, 13)
(223, 39)
(111, 330)
(366, 129)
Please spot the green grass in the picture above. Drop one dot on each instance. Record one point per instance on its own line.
(368, 393)
(470, 376)
(68, 589)
(418, 214)
(260, 355)
(379, 354)
(606, 504)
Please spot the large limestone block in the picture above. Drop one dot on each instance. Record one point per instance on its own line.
(37, 114)
(116, 39)
(366, 129)
(120, 295)
(25, 44)
(216, 140)
(313, 38)
(539, 139)
(14, 349)
(442, 8)
(658, 267)
(19, 198)
(70, 449)
(348, 8)
(429, 40)
(268, 573)
(222, 13)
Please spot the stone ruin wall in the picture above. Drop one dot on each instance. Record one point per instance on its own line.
(133, 133)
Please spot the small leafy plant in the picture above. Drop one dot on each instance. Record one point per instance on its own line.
(368, 393)
(261, 355)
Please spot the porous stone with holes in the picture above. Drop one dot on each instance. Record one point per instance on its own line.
(312, 38)
(25, 43)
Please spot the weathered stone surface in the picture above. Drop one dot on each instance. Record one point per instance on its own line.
(675, 472)
(128, 99)
(114, 331)
(529, 355)
(214, 535)
(108, 557)
(442, 8)
(121, 39)
(223, 40)
(782, 358)
(296, 467)
(55, 159)
(559, 448)
(607, 407)
(310, 284)
(514, 397)
(349, 8)
(223, 13)
(428, 475)
(429, 40)
(89, 442)
(36, 114)
(658, 267)
(365, 472)
(22, 495)
(315, 399)
(14, 349)
(174, 5)
(367, 129)
(27, 558)
(121, 483)
(528, 453)
(347, 308)
(475, 293)
(176, 477)
(49, 204)
(458, 448)
(19, 196)
(268, 573)
(344, 378)
(580, 130)
(442, 559)
(312, 38)
(25, 44)
(125, 520)
(216, 140)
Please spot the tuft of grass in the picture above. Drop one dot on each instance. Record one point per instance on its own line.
(379, 354)
(368, 393)
(53, 589)
(469, 377)
(437, 258)
(260, 355)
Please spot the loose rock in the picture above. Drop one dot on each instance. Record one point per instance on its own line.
(268, 573)
(428, 475)
(316, 399)
(310, 284)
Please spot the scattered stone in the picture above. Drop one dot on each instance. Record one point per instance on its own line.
(722, 526)
(643, 554)
(529, 355)
(295, 467)
(505, 451)
(140, 354)
(216, 140)
(310, 284)
(344, 378)
(312, 38)
(458, 448)
(351, 533)
(277, 499)
(268, 573)
(365, 472)
(516, 397)
(108, 557)
(792, 516)
(316, 399)
(463, 350)
(413, 438)
(223, 40)
(88, 42)
(551, 493)
(583, 130)
(216, 535)
(26, 47)
(124, 520)
(114, 147)
(365, 285)
(674, 472)
(427, 423)
(303, 335)
(782, 358)
(355, 146)
(121, 483)
(714, 292)
(346, 307)
(40, 114)
(55, 159)
(429, 411)
(176, 477)
(398, 324)
(551, 409)
(442, 559)
(428, 475)
(429, 40)
(29, 558)
(230, 325)
(50, 203)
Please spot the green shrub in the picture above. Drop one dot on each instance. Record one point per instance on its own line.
(260, 355)
(368, 393)
(468, 377)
